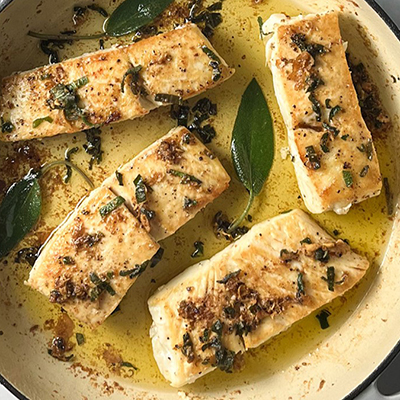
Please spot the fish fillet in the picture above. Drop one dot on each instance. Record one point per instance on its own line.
(334, 157)
(282, 270)
(172, 63)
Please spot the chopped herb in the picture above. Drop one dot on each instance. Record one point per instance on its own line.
(330, 278)
(328, 103)
(229, 312)
(323, 318)
(217, 327)
(249, 218)
(344, 137)
(221, 226)
(101, 286)
(287, 256)
(187, 348)
(120, 178)
(140, 189)
(48, 47)
(316, 106)
(64, 97)
(228, 277)
(186, 178)
(368, 149)
(127, 364)
(181, 114)
(336, 232)
(44, 77)
(149, 214)
(330, 128)
(39, 121)
(68, 154)
(334, 111)
(321, 255)
(314, 81)
(189, 203)
(68, 260)
(348, 178)
(111, 206)
(79, 14)
(389, 197)
(167, 98)
(199, 249)
(314, 49)
(364, 171)
(306, 240)
(206, 18)
(313, 161)
(136, 88)
(205, 106)
(7, 127)
(137, 271)
(93, 146)
(324, 142)
(100, 10)
(206, 336)
(80, 339)
(157, 257)
(214, 63)
(260, 25)
(89, 240)
(300, 286)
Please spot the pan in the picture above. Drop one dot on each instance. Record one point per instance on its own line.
(305, 361)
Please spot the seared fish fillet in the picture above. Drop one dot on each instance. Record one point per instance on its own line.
(334, 157)
(181, 175)
(80, 266)
(172, 63)
(279, 272)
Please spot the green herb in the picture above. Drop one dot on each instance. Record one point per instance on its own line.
(89, 240)
(199, 249)
(136, 88)
(157, 257)
(222, 224)
(180, 112)
(93, 146)
(39, 121)
(314, 49)
(328, 103)
(330, 128)
(48, 47)
(214, 63)
(100, 10)
(316, 106)
(79, 14)
(313, 161)
(133, 14)
(334, 111)
(321, 255)
(389, 197)
(186, 178)
(187, 348)
(314, 82)
(64, 97)
(229, 276)
(323, 318)
(344, 137)
(6, 127)
(330, 278)
(44, 77)
(324, 142)
(364, 171)
(111, 206)
(167, 98)
(120, 178)
(252, 146)
(368, 149)
(189, 203)
(217, 328)
(206, 336)
(205, 18)
(80, 339)
(140, 189)
(127, 364)
(149, 214)
(67, 157)
(306, 240)
(101, 286)
(300, 286)
(137, 271)
(68, 260)
(348, 178)
(28, 254)
(260, 25)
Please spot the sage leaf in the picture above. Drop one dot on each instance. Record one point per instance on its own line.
(133, 14)
(252, 146)
(19, 211)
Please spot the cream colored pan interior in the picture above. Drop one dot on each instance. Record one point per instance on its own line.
(304, 362)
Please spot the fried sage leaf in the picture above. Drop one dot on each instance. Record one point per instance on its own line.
(252, 146)
(133, 14)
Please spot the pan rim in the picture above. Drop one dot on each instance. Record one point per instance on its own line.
(396, 349)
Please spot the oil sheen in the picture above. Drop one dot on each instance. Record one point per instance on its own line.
(366, 226)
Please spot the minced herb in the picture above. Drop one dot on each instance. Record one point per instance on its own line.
(206, 18)
(344, 137)
(101, 286)
(157, 257)
(187, 348)
(330, 278)
(313, 159)
(229, 276)
(80, 339)
(67, 260)
(316, 106)
(111, 206)
(323, 318)
(67, 156)
(306, 240)
(324, 142)
(93, 146)
(199, 249)
(37, 122)
(120, 178)
(364, 171)
(186, 178)
(367, 148)
(328, 103)
(314, 49)
(321, 255)
(126, 364)
(7, 126)
(28, 254)
(330, 128)
(333, 112)
(189, 203)
(167, 98)
(136, 88)
(140, 189)
(313, 82)
(300, 286)
(214, 63)
(348, 178)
